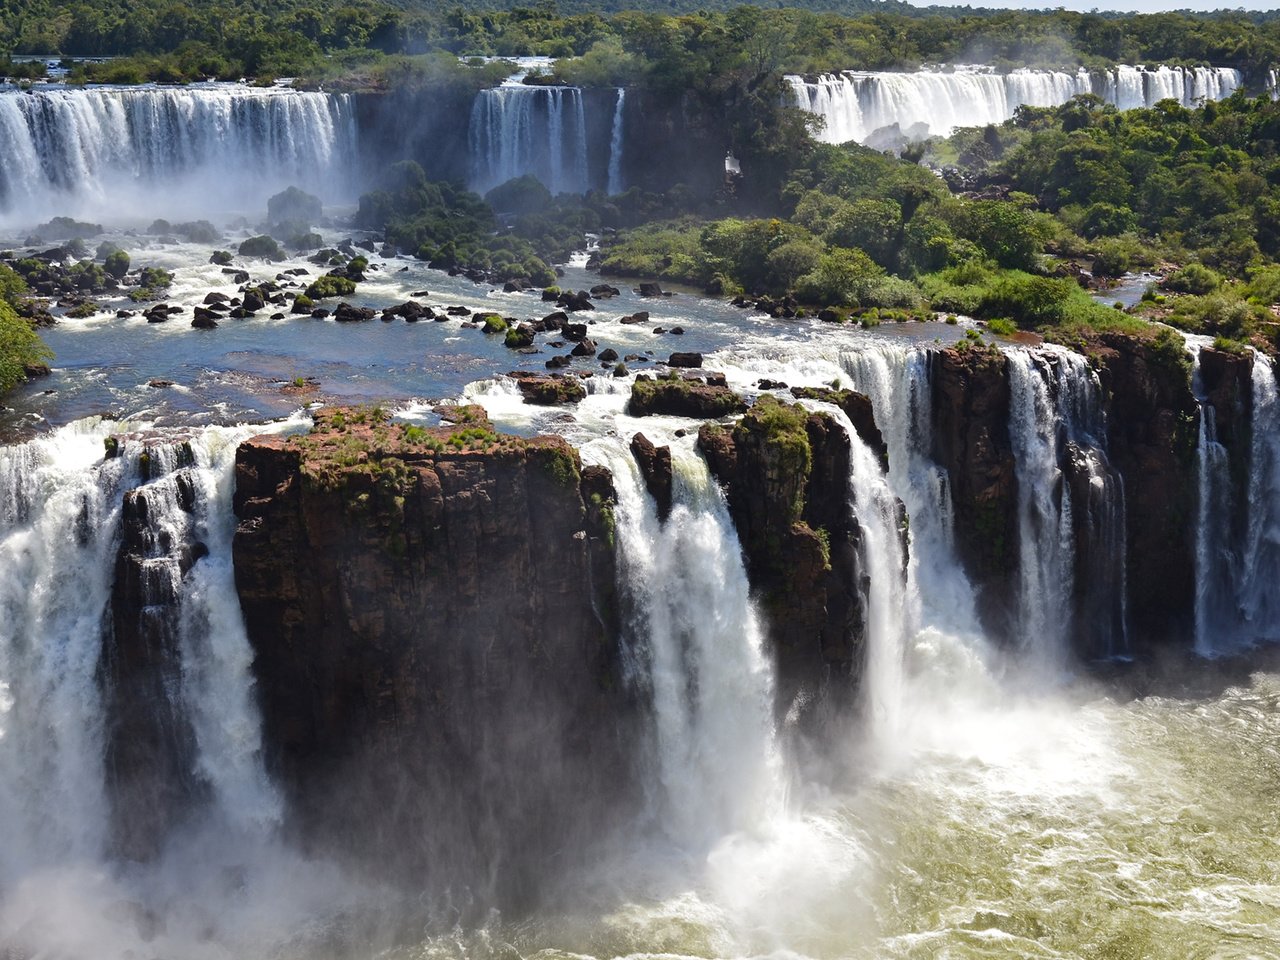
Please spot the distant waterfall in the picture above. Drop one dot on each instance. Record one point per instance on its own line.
(519, 130)
(697, 647)
(854, 105)
(144, 152)
(616, 144)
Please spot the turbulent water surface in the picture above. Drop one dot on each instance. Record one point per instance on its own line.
(981, 805)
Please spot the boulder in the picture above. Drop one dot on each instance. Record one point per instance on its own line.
(549, 391)
(685, 360)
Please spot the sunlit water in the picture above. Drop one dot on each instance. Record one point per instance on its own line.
(1001, 818)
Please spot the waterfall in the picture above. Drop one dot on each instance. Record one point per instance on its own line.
(1236, 604)
(1045, 548)
(896, 379)
(615, 145)
(518, 130)
(892, 609)
(60, 541)
(696, 648)
(1259, 603)
(59, 514)
(855, 104)
(201, 149)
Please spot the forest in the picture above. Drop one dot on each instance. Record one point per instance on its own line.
(654, 43)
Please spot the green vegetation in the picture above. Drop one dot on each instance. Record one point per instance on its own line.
(21, 350)
(262, 246)
(664, 43)
(330, 285)
(117, 264)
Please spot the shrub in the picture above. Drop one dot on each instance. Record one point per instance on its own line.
(117, 264)
(1193, 278)
(262, 246)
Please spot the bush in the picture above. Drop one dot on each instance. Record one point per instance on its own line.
(117, 265)
(1193, 278)
(262, 246)
(20, 348)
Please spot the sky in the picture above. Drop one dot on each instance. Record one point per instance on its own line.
(1127, 6)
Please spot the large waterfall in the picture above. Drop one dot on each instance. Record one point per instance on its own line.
(854, 105)
(201, 149)
(696, 649)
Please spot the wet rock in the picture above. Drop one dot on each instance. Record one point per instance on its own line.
(685, 360)
(608, 355)
(650, 289)
(346, 313)
(584, 348)
(655, 467)
(549, 390)
(682, 398)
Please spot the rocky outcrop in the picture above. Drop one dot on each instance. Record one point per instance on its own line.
(432, 614)
(655, 467)
(970, 396)
(1152, 427)
(680, 397)
(150, 743)
(857, 407)
(786, 474)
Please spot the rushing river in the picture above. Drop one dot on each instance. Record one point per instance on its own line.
(1003, 808)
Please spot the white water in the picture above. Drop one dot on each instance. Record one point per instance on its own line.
(1236, 599)
(616, 145)
(696, 646)
(896, 379)
(137, 153)
(854, 105)
(518, 130)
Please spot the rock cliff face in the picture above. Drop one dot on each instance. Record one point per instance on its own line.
(786, 474)
(971, 442)
(431, 612)
(1152, 425)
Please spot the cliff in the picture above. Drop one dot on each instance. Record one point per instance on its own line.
(971, 443)
(431, 611)
(786, 475)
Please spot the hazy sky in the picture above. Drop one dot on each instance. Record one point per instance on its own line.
(1130, 6)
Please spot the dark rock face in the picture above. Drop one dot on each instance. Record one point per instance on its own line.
(971, 442)
(438, 689)
(1152, 427)
(786, 475)
(655, 467)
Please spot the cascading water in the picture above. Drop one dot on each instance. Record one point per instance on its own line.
(896, 379)
(854, 105)
(1045, 547)
(519, 130)
(61, 507)
(1236, 605)
(892, 609)
(616, 144)
(1070, 509)
(105, 151)
(1214, 574)
(696, 647)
